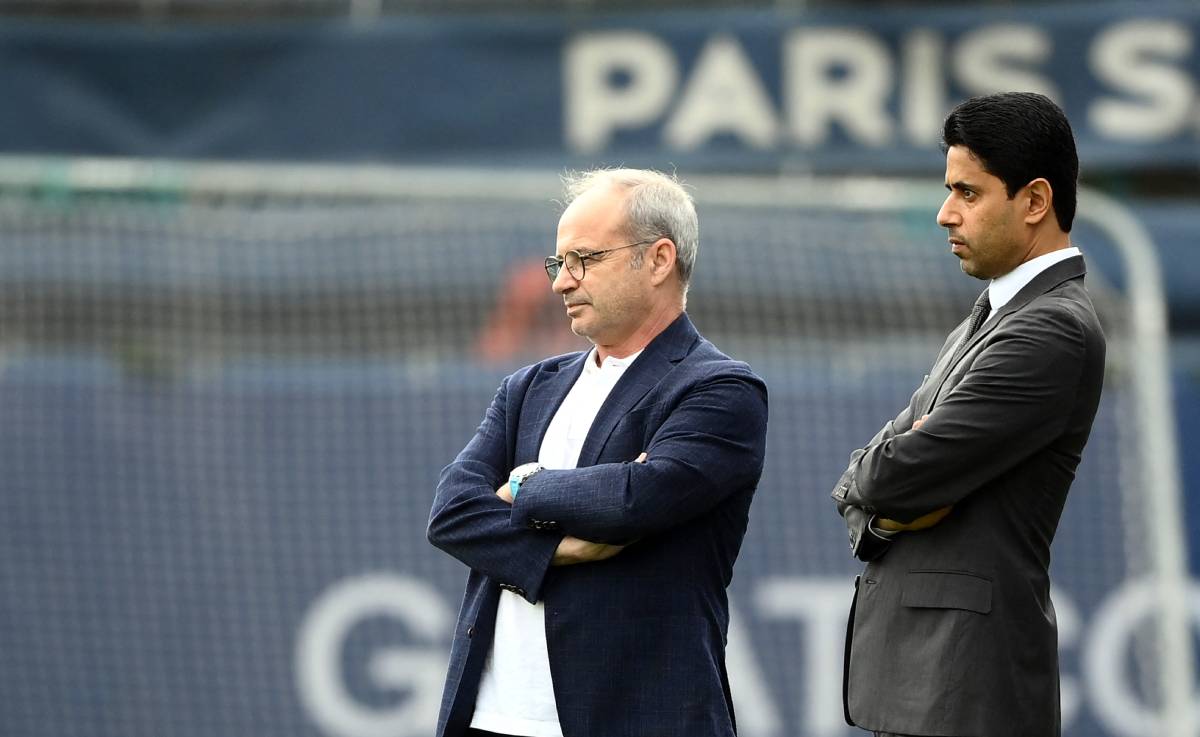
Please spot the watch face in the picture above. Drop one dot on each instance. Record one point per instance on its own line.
(520, 472)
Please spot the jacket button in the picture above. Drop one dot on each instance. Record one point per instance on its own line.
(470, 631)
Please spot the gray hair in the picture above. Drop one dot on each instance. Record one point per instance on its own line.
(657, 206)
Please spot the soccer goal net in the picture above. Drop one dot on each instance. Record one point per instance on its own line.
(227, 392)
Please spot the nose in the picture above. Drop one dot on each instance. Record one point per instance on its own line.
(564, 282)
(948, 216)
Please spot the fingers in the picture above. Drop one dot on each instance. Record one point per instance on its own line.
(918, 423)
(572, 550)
(505, 493)
(641, 458)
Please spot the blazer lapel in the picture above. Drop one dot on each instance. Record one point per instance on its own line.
(543, 398)
(1071, 268)
(666, 350)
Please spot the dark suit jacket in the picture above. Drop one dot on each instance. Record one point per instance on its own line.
(952, 631)
(636, 642)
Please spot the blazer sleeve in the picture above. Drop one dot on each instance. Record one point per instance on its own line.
(710, 446)
(865, 544)
(471, 523)
(1015, 398)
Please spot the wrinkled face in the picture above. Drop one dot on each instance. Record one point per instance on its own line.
(613, 298)
(985, 227)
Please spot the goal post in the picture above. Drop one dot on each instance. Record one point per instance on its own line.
(242, 379)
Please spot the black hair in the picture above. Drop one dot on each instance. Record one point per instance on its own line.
(1019, 137)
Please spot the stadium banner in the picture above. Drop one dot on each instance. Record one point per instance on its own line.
(823, 90)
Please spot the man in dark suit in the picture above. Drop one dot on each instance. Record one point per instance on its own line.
(955, 502)
(602, 502)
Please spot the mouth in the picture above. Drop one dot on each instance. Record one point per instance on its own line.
(958, 246)
(574, 306)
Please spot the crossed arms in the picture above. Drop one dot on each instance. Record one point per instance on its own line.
(1016, 398)
(709, 445)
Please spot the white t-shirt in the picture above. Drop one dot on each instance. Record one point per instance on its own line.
(516, 694)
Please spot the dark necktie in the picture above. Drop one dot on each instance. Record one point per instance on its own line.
(979, 313)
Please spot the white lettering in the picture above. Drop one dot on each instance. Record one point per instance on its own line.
(922, 90)
(321, 639)
(618, 79)
(1126, 619)
(723, 95)
(837, 75)
(822, 604)
(1069, 624)
(991, 59)
(1135, 58)
(756, 713)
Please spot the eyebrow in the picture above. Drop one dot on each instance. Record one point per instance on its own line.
(960, 185)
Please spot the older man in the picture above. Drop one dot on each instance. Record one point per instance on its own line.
(602, 502)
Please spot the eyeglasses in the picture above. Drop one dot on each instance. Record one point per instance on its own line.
(574, 261)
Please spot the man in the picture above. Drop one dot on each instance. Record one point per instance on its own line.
(955, 502)
(603, 500)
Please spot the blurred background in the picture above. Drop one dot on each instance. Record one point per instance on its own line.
(263, 264)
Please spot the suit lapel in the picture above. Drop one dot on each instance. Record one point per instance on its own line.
(1071, 268)
(659, 357)
(544, 396)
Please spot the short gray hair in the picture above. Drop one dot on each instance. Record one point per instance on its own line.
(657, 206)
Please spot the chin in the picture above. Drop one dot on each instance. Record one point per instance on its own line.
(580, 329)
(971, 270)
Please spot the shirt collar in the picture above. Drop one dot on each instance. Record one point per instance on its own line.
(1004, 288)
(612, 362)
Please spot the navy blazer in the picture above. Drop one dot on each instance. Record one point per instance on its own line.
(636, 642)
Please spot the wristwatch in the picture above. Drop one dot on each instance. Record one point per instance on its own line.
(519, 474)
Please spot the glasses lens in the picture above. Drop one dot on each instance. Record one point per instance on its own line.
(552, 267)
(574, 263)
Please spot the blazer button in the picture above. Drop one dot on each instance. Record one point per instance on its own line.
(470, 632)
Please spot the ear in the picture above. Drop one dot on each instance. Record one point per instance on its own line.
(1039, 201)
(661, 257)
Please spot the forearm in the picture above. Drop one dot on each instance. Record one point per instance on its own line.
(709, 448)
(1015, 400)
(469, 522)
(619, 503)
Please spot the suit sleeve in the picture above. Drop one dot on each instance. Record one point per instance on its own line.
(865, 544)
(710, 446)
(471, 523)
(1015, 398)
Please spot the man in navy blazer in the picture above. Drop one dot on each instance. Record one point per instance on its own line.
(602, 502)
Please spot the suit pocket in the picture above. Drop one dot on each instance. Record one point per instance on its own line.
(947, 590)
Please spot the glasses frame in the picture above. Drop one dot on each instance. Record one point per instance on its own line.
(555, 264)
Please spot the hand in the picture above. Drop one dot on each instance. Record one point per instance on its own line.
(920, 523)
(572, 550)
(505, 493)
(918, 423)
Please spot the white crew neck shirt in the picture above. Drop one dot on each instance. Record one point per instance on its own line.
(516, 694)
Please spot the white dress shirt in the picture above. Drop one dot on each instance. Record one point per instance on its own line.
(1004, 288)
(516, 694)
